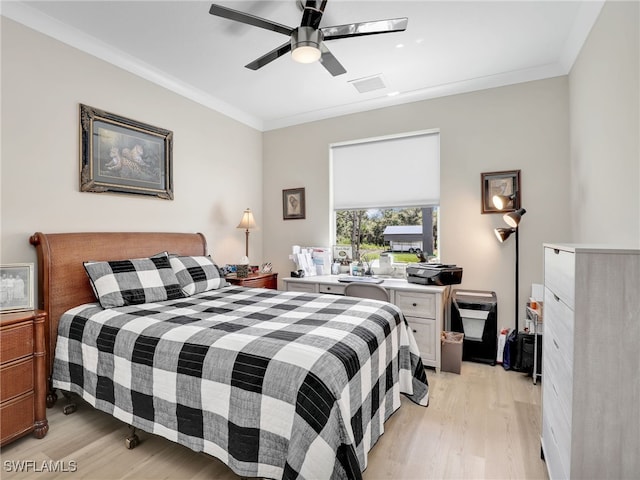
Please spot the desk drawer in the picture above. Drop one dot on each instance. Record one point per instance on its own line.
(416, 304)
(301, 287)
(333, 289)
(424, 331)
(16, 379)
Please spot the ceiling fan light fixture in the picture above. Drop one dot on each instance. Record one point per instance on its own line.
(305, 45)
(306, 54)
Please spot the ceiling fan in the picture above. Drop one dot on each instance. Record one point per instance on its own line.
(306, 42)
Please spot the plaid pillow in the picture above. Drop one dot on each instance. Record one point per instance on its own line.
(197, 274)
(133, 282)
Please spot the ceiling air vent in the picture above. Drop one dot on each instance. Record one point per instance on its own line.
(368, 84)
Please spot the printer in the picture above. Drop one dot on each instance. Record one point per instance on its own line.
(434, 274)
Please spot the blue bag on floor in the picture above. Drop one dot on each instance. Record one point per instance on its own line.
(510, 350)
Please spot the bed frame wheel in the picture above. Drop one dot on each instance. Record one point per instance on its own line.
(71, 406)
(132, 441)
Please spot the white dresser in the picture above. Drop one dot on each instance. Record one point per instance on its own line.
(591, 362)
(423, 306)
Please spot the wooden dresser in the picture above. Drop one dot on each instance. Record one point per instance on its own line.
(590, 363)
(255, 280)
(23, 379)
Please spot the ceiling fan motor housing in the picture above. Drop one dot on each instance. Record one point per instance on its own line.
(307, 40)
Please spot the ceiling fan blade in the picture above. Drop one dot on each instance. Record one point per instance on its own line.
(269, 57)
(365, 28)
(224, 12)
(330, 62)
(312, 13)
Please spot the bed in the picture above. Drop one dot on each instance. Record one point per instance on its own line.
(275, 384)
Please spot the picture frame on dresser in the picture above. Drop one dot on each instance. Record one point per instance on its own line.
(16, 287)
(121, 155)
(506, 183)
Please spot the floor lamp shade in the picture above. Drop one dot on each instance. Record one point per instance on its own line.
(247, 222)
(502, 201)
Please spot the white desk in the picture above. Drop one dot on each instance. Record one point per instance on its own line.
(424, 307)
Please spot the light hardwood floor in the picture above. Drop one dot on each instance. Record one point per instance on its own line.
(483, 423)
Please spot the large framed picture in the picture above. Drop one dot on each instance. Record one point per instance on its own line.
(505, 183)
(16, 287)
(121, 155)
(293, 206)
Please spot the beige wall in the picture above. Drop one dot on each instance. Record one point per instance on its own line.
(523, 127)
(605, 130)
(574, 138)
(217, 161)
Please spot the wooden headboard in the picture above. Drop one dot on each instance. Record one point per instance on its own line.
(62, 280)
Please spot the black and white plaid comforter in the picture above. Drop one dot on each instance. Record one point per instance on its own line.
(274, 384)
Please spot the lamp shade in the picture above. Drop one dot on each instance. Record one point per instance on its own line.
(513, 218)
(247, 221)
(502, 201)
(503, 233)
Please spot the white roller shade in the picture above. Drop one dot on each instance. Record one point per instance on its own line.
(399, 171)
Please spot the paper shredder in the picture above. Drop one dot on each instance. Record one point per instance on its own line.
(475, 313)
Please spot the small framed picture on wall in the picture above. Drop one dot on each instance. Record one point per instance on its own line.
(293, 205)
(506, 184)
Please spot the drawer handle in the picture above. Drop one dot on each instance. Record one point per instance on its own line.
(415, 331)
(414, 304)
(556, 297)
(328, 288)
(556, 344)
(555, 390)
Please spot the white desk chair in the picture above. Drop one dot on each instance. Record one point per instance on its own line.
(366, 290)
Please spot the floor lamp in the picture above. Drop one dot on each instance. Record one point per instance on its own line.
(513, 220)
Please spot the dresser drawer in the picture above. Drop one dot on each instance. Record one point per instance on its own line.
(559, 322)
(301, 287)
(558, 381)
(416, 304)
(424, 331)
(17, 342)
(333, 289)
(16, 417)
(16, 379)
(559, 274)
(556, 460)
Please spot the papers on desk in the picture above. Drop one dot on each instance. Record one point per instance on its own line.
(312, 260)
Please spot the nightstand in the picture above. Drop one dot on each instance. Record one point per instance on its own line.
(255, 280)
(23, 378)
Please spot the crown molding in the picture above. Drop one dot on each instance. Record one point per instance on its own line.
(33, 18)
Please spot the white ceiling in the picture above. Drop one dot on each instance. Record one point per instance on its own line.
(449, 47)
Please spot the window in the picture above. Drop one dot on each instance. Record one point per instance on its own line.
(386, 195)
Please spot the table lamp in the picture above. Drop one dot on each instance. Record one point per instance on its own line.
(247, 221)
